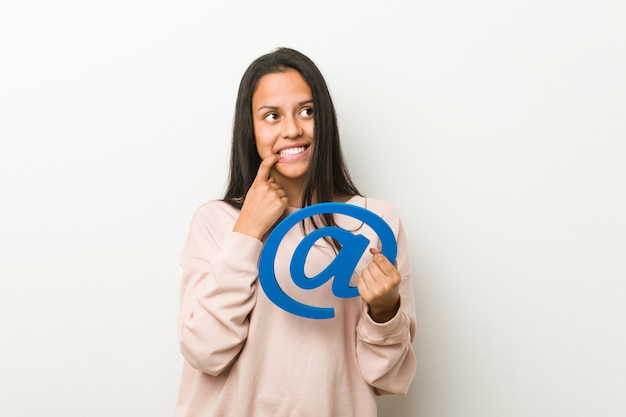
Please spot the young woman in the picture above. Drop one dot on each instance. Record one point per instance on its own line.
(245, 356)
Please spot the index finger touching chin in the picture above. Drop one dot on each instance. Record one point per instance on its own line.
(265, 168)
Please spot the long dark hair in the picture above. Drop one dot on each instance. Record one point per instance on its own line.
(327, 175)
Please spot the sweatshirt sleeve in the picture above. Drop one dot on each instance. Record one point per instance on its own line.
(218, 287)
(385, 350)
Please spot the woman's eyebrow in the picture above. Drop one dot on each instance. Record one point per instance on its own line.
(267, 107)
(270, 107)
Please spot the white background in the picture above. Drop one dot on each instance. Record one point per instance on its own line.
(496, 128)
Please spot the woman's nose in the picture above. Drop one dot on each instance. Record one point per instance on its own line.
(291, 128)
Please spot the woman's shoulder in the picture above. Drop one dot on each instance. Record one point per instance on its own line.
(215, 211)
(380, 207)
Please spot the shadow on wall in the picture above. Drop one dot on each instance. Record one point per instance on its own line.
(396, 405)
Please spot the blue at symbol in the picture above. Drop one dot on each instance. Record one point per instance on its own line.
(341, 268)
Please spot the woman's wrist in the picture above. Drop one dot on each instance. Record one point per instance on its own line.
(383, 315)
(247, 230)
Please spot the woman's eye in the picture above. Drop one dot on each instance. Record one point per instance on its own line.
(307, 112)
(271, 116)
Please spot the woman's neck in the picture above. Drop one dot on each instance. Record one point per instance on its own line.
(294, 192)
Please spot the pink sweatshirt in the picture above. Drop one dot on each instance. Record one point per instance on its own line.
(246, 357)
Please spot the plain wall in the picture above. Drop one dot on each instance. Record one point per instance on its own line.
(497, 129)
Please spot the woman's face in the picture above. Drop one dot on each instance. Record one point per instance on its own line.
(282, 114)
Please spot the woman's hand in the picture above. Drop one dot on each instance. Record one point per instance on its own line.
(379, 287)
(264, 204)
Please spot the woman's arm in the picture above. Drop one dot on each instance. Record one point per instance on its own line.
(220, 269)
(385, 350)
(217, 291)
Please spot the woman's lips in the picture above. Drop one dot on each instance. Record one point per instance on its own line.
(292, 153)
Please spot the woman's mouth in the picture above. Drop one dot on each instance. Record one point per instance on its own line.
(293, 153)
